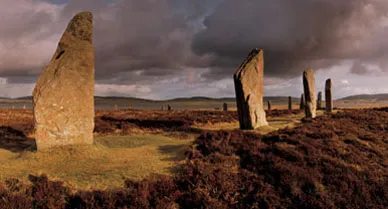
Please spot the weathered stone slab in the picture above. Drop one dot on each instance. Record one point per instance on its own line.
(328, 96)
(63, 98)
(309, 93)
(225, 107)
(248, 83)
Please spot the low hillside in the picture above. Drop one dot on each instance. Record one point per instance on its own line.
(367, 97)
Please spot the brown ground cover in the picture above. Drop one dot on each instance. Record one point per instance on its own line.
(333, 161)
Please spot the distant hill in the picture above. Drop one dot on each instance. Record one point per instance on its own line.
(366, 97)
(179, 99)
(200, 99)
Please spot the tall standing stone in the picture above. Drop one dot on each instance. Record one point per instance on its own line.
(309, 93)
(225, 107)
(289, 103)
(63, 98)
(248, 83)
(269, 105)
(168, 107)
(328, 96)
(302, 102)
(319, 101)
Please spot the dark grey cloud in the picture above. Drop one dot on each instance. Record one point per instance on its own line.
(359, 68)
(172, 46)
(294, 34)
(132, 35)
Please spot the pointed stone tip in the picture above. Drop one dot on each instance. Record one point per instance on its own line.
(256, 51)
(309, 70)
(81, 26)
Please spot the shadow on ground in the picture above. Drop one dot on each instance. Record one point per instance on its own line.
(15, 140)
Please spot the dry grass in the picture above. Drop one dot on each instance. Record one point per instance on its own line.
(103, 165)
(140, 153)
(274, 123)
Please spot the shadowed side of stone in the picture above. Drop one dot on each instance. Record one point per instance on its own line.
(309, 93)
(248, 83)
(328, 96)
(63, 102)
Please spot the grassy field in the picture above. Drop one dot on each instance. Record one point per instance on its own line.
(103, 165)
(116, 154)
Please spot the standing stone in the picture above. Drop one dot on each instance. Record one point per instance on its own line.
(309, 93)
(168, 107)
(289, 103)
(225, 107)
(63, 98)
(302, 102)
(115, 108)
(161, 107)
(319, 101)
(248, 83)
(328, 96)
(269, 105)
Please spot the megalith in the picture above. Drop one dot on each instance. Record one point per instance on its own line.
(249, 89)
(328, 96)
(309, 93)
(319, 101)
(225, 107)
(302, 102)
(269, 105)
(63, 98)
(289, 103)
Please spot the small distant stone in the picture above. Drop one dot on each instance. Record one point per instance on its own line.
(328, 96)
(319, 101)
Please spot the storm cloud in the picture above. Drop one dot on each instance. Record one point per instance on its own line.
(144, 46)
(295, 34)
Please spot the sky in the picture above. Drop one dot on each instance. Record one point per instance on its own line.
(162, 49)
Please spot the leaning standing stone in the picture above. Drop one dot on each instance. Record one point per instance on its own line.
(328, 96)
(63, 98)
(309, 93)
(248, 83)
